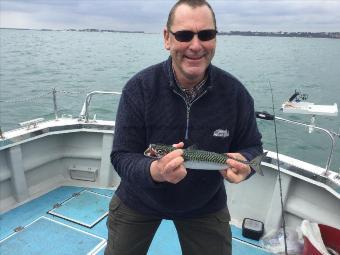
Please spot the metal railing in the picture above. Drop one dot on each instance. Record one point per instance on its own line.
(331, 134)
(84, 114)
(55, 107)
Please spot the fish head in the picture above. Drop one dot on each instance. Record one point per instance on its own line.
(158, 150)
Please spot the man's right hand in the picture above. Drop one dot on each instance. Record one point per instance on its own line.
(169, 168)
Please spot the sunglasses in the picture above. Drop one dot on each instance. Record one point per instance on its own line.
(187, 35)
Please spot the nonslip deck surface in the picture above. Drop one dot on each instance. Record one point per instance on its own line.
(47, 236)
(86, 208)
(65, 220)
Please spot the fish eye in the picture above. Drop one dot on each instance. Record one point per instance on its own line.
(160, 151)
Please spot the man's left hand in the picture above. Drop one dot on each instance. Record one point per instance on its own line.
(237, 171)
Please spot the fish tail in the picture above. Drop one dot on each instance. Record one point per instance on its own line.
(256, 163)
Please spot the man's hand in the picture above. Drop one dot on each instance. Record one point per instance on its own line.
(169, 168)
(237, 171)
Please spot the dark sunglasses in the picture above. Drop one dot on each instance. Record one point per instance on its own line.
(187, 35)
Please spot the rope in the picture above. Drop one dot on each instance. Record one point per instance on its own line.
(32, 99)
(25, 99)
(68, 93)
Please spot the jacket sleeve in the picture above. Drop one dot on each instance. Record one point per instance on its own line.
(247, 139)
(129, 142)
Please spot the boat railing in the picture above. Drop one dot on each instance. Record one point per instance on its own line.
(55, 107)
(330, 134)
(84, 114)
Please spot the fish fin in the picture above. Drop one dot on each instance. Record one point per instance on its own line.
(255, 163)
(193, 147)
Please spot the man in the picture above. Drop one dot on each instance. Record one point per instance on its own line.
(182, 101)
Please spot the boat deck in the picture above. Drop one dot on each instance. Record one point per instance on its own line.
(72, 220)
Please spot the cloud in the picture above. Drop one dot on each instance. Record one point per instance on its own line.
(105, 14)
(151, 15)
(279, 15)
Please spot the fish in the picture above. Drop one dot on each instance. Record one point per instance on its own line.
(201, 159)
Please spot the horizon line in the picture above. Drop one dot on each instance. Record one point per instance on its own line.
(139, 31)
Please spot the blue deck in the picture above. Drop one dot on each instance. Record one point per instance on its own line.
(45, 227)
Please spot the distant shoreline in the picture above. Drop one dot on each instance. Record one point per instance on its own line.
(79, 30)
(330, 35)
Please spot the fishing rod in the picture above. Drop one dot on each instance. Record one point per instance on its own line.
(279, 172)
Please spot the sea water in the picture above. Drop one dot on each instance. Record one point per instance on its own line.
(32, 63)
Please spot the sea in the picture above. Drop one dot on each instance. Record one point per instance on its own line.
(33, 63)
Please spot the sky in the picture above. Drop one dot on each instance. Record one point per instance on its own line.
(151, 15)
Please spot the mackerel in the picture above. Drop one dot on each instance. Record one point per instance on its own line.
(203, 160)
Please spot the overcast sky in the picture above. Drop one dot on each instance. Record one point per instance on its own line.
(150, 15)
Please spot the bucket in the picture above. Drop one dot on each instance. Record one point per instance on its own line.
(330, 237)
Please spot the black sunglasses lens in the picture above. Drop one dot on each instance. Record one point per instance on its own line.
(207, 35)
(184, 36)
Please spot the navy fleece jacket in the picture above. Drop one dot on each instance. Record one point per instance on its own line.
(152, 110)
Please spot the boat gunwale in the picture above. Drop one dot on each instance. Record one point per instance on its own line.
(51, 127)
(303, 170)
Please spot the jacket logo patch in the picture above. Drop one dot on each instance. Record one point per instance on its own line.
(221, 133)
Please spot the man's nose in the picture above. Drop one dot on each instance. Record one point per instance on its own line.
(195, 44)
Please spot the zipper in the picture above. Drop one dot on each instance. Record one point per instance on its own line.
(188, 118)
(188, 106)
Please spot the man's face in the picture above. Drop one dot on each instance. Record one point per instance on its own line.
(190, 59)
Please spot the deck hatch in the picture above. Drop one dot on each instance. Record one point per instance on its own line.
(47, 236)
(86, 208)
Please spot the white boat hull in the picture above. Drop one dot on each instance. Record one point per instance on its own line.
(35, 161)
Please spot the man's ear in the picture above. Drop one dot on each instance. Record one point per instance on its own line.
(166, 36)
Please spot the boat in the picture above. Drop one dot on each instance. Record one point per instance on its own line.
(56, 181)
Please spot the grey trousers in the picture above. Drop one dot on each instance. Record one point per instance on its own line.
(131, 233)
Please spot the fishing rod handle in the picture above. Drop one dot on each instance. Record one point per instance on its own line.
(264, 115)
